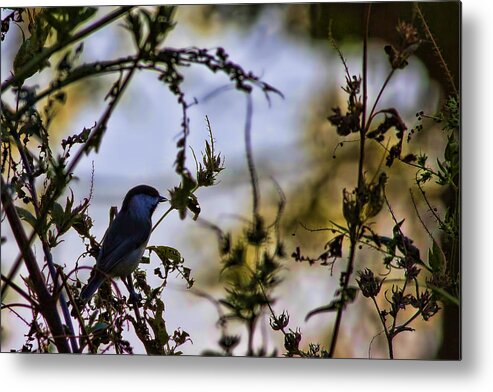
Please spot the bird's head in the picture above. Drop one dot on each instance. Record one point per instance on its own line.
(142, 199)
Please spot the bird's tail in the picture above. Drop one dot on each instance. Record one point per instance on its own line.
(91, 287)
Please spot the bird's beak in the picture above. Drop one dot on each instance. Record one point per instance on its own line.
(161, 199)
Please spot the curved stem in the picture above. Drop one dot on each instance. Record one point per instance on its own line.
(387, 334)
(87, 70)
(384, 85)
(161, 219)
(249, 156)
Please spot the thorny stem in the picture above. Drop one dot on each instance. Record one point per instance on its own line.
(430, 208)
(399, 159)
(394, 322)
(269, 306)
(438, 52)
(355, 229)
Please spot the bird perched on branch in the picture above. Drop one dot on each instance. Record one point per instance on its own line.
(125, 240)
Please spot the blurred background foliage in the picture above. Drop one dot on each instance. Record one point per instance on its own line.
(312, 168)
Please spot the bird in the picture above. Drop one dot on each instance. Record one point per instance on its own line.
(125, 241)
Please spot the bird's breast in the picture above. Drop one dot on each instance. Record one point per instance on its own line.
(129, 263)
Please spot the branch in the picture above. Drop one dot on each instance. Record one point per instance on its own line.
(86, 70)
(22, 293)
(42, 234)
(17, 265)
(99, 129)
(251, 164)
(47, 303)
(43, 56)
(354, 228)
(387, 334)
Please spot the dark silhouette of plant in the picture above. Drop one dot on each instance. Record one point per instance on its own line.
(33, 182)
(36, 181)
(368, 198)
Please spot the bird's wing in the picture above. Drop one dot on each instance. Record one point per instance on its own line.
(120, 239)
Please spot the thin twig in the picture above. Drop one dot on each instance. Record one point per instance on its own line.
(17, 265)
(97, 68)
(371, 342)
(14, 286)
(387, 335)
(384, 85)
(162, 217)
(431, 209)
(419, 216)
(365, 102)
(437, 50)
(249, 156)
(78, 316)
(100, 127)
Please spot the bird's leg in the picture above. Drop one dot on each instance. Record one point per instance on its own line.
(134, 298)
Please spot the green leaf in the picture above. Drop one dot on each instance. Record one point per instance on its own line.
(134, 24)
(166, 253)
(99, 327)
(26, 216)
(65, 19)
(436, 259)
(331, 307)
(348, 296)
(227, 304)
(158, 324)
(444, 295)
(33, 46)
(57, 215)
